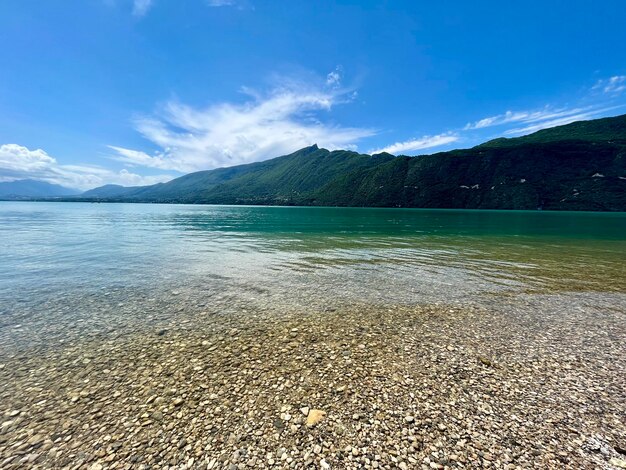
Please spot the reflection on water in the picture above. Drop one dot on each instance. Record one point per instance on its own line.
(73, 266)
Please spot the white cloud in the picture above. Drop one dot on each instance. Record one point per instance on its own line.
(141, 7)
(613, 85)
(561, 121)
(220, 3)
(549, 116)
(138, 158)
(428, 141)
(238, 4)
(19, 162)
(226, 134)
(508, 117)
(333, 79)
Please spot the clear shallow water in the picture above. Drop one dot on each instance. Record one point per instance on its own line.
(78, 268)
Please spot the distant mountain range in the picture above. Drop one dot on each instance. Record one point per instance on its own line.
(28, 189)
(579, 166)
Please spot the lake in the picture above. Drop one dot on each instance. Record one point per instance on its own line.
(69, 270)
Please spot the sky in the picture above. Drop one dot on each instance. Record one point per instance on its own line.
(136, 92)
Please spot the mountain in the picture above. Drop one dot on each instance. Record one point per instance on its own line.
(578, 166)
(26, 189)
(109, 191)
(611, 129)
(282, 180)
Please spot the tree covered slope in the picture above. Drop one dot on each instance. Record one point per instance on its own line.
(579, 166)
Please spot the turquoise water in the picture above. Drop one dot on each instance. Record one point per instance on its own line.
(80, 268)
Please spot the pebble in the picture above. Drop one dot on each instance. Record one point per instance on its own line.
(394, 388)
(315, 417)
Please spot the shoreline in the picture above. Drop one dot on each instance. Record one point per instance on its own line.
(401, 387)
(313, 206)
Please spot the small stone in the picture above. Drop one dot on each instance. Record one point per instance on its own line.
(177, 401)
(34, 440)
(409, 419)
(618, 463)
(314, 417)
(486, 361)
(305, 410)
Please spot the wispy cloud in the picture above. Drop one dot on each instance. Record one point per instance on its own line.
(613, 86)
(561, 121)
(281, 121)
(333, 79)
(603, 94)
(139, 158)
(428, 141)
(545, 114)
(141, 7)
(19, 162)
(239, 4)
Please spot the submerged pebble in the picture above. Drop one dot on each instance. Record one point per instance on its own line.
(262, 391)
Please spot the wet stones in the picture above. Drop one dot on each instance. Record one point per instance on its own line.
(237, 392)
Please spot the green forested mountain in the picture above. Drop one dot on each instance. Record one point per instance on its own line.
(596, 130)
(283, 180)
(579, 166)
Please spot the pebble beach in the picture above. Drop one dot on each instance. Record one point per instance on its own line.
(428, 387)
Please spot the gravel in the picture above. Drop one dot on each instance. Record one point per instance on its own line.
(427, 387)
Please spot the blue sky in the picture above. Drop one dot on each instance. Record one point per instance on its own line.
(139, 91)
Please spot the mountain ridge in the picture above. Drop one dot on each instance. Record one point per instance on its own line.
(30, 188)
(577, 166)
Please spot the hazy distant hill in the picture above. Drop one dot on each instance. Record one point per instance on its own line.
(26, 189)
(579, 166)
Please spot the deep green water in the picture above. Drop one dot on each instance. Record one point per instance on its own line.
(73, 267)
